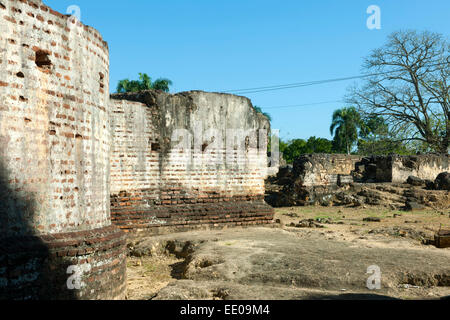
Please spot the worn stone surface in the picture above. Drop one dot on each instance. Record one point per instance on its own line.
(54, 154)
(414, 181)
(177, 150)
(297, 263)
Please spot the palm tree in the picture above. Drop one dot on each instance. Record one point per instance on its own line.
(144, 83)
(162, 84)
(344, 127)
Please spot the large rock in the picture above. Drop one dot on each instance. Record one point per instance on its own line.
(442, 181)
(415, 181)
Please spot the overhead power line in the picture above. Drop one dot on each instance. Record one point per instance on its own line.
(311, 83)
(303, 105)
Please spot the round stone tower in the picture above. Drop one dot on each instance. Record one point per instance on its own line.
(57, 241)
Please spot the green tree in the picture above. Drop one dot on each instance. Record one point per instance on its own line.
(144, 83)
(259, 110)
(344, 127)
(319, 145)
(375, 138)
(407, 84)
(294, 149)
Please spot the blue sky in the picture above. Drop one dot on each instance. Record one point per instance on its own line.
(236, 44)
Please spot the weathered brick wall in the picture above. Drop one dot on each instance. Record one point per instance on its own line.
(155, 183)
(323, 169)
(54, 138)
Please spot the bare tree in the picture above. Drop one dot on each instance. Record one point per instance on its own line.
(407, 83)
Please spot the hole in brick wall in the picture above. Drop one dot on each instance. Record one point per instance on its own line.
(156, 147)
(204, 146)
(247, 143)
(78, 136)
(42, 60)
(2, 6)
(102, 80)
(20, 74)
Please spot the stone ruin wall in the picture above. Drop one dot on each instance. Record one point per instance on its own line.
(397, 169)
(54, 158)
(324, 169)
(327, 169)
(329, 179)
(158, 187)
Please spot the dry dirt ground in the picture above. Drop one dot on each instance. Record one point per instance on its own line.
(297, 259)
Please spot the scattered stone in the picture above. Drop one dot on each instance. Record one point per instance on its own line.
(442, 239)
(442, 181)
(324, 220)
(413, 206)
(308, 223)
(429, 185)
(392, 207)
(415, 181)
(428, 242)
(408, 286)
(401, 232)
(372, 219)
(291, 215)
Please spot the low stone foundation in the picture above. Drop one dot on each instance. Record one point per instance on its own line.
(180, 217)
(43, 267)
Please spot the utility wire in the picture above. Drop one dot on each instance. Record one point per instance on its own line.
(303, 105)
(311, 83)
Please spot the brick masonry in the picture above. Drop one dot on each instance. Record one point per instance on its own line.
(35, 267)
(54, 154)
(155, 184)
(69, 153)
